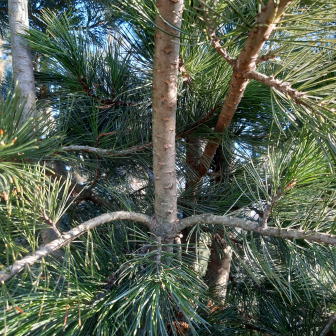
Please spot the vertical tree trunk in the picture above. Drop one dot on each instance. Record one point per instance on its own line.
(23, 74)
(21, 55)
(164, 100)
(217, 274)
(218, 270)
(2, 65)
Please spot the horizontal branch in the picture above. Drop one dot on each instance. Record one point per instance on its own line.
(255, 227)
(106, 152)
(283, 87)
(68, 237)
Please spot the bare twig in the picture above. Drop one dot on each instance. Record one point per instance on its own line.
(68, 237)
(221, 51)
(179, 246)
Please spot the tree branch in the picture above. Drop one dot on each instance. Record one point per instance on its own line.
(329, 324)
(106, 152)
(68, 237)
(246, 62)
(255, 227)
(220, 50)
(274, 200)
(283, 87)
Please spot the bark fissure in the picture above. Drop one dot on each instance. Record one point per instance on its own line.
(245, 63)
(164, 101)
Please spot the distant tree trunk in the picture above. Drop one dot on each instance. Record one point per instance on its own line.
(23, 74)
(218, 271)
(2, 65)
(164, 100)
(21, 55)
(193, 158)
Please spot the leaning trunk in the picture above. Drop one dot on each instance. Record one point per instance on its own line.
(21, 55)
(164, 101)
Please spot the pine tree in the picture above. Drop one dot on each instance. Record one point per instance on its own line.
(178, 128)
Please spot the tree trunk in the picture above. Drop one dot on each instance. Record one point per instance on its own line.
(245, 63)
(21, 55)
(164, 100)
(217, 274)
(2, 64)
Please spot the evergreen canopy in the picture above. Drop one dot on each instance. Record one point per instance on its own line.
(177, 176)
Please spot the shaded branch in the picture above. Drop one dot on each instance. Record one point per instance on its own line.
(329, 324)
(210, 219)
(68, 237)
(85, 193)
(274, 200)
(106, 152)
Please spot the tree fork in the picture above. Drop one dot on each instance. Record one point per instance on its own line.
(164, 101)
(245, 63)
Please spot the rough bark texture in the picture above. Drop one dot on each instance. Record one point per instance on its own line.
(68, 237)
(218, 271)
(245, 63)
(21, 55)
(164, 100)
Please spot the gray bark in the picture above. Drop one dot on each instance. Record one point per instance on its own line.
(247, 225)
(68, 237)
(21, 55)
